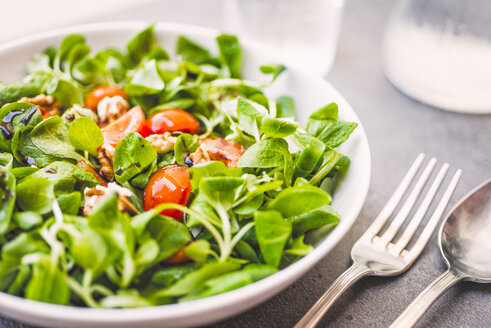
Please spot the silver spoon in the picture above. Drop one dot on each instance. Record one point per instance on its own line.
(465, 242)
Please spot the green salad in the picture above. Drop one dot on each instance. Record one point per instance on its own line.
(134, 178)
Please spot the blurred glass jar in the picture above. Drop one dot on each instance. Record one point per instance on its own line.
(439, 52)
(304, 31)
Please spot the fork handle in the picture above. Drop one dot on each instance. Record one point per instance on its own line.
(418, 307)
(345, 280)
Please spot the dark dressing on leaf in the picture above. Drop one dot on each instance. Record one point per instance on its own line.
(25, 120)
(6, 126)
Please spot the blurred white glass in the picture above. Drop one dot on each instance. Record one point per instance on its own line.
(439, 52)
(305, 32)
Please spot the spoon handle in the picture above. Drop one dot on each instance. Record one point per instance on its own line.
(425, 299)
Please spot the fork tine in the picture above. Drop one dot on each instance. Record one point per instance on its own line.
(403, 213)
(421, 212)
(391, 205)
(435, 218)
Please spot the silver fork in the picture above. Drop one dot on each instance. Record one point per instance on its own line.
(375, 255)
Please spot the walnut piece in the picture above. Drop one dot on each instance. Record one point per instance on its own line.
(105, 156)
(47, 104)
(94, 195)
(218, 149)
(163, 143)
(110, 109)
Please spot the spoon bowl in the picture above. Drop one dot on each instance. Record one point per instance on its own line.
(465, 238)
(465, 242)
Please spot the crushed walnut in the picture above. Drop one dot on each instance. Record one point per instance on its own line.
(47, 104)
(94, 195)
(105, 156)
(218, 149)
(110, 109)
(163, 143)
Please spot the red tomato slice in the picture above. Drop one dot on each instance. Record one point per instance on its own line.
(170, 120)
(132, 121)
(170, 184)
(96, 95)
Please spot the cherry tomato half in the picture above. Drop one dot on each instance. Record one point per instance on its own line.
(170, 184)
(132, 121)
(95, 95)
(171, 120)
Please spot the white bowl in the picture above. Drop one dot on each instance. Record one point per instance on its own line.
(309, 91)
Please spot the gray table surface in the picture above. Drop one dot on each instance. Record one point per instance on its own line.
(398, 129)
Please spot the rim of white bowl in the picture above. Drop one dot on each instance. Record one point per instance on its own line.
(277, 281)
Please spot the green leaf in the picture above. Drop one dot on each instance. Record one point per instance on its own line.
(17, 287)
(193, 52)
(185, 143)
(51, 137)
(35, 194)
(230, 53)
(85, 135)
(77, 53)
(285, 107)
(265, 154)
(28, 220)
(90, 71)
(141, 180)
(146, 80)
(89, 250)
(65, 91)
(277, 128)
(11, 92)
(133, 154)
(295, 201)
(274, 69)
(311, 152)
(222, 284)
(259, 271)
(167, 276)
(327, 112)
(66, 178)
(250, 206)
(298, 247)
(26, 152)
(19, 115)
(198, 250)
(6, 160)
(314, 219)
(170, 234)
(331, 158)
(249, 117)
(210, 169)
(323, 124)
(220, 191)
(140, 45)
(23, 244)
(70, 203)
(48, 284)
(146, 254)
(194, 280)
(7, 199)
(42, 61)
(22, 172)
(67, 46)
(246, 251)
(272, 233)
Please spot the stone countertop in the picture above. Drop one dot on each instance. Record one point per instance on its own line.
(398, 128)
